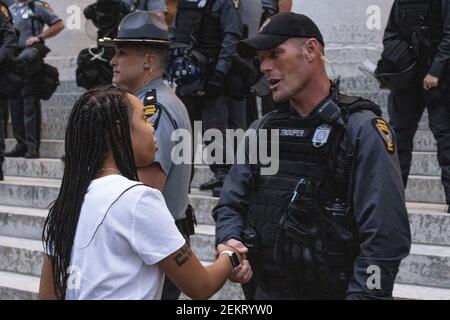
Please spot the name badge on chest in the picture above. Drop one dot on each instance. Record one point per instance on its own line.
(321, 135)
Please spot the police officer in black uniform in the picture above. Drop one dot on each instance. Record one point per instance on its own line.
(30, 18)
(213, 28)
(422, 25)
(8, 47)
(332, 222)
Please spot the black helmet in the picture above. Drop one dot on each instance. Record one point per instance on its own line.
(106, 14)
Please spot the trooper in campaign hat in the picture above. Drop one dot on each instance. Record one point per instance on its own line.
(139, 63)
(140, 27)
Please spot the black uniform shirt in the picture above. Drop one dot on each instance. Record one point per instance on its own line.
(232, 29)
(8, 41)
(378, 205)
(392, 33)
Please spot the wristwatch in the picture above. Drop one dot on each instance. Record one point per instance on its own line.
(233, 258)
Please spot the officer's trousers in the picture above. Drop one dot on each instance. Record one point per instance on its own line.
(405, 110)
(220, 113)
(3, 121)
(26, 116)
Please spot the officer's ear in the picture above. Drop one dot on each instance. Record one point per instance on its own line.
(312, 49)
(149, 61)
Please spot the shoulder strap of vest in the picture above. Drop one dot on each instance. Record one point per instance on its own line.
(281, 110)
(351, 104)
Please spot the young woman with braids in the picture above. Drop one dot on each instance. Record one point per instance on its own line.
(107, 236)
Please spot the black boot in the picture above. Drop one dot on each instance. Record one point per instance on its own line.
(1, 172)
(18, 151)
(32, 154)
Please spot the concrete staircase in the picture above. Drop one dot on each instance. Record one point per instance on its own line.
(31, 185)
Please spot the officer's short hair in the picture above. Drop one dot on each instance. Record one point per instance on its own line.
(300, 41)
(161, 53)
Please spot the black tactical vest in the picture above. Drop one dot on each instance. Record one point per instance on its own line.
(197, 25)
(416, 13)
(316, 150)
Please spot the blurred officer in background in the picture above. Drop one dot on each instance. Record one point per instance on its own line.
(30, 18)
(211, 29)
(417, 52)
(8, 47)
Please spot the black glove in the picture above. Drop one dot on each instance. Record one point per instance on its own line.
(214, 85)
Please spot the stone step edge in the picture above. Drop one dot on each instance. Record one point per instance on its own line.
(16, 281)
(416, 292)
(209, 230)
(21, 282)
(416, 208)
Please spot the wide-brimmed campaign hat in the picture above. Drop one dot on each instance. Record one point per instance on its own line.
(140, 27)
(276, 30)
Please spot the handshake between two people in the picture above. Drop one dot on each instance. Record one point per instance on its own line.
(243, 272)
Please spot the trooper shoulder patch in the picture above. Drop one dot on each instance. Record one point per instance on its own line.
(5, 11)
(236, 4)
(152, 110)
(45, 5)
(385, 133)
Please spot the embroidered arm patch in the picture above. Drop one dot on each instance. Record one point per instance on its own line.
(385, 133)
(152, 110)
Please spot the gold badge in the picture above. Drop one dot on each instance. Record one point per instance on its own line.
(5, 11)
(236, 4)
(385, 133)
(152, 110)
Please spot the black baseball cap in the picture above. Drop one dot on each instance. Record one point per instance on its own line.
(276, 30)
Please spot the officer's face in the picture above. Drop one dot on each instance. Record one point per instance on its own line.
(287, 67)
(129, 67)
(142, 139)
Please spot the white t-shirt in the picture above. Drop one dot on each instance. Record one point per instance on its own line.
(115, 255)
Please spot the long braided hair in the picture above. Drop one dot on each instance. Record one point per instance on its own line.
(99, 122)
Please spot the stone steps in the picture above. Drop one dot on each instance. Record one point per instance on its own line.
(426, 189)
(22, 222)
(414, 292)
(428, 225)
(427, 265)
(15, 286)
(49, 148)
(34, 168)
(39, 193)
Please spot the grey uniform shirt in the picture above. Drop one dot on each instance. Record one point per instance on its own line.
(443, 55)
(148, 5)
(173, 115)
(29, 23)
(378, 206)
(251, 11)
